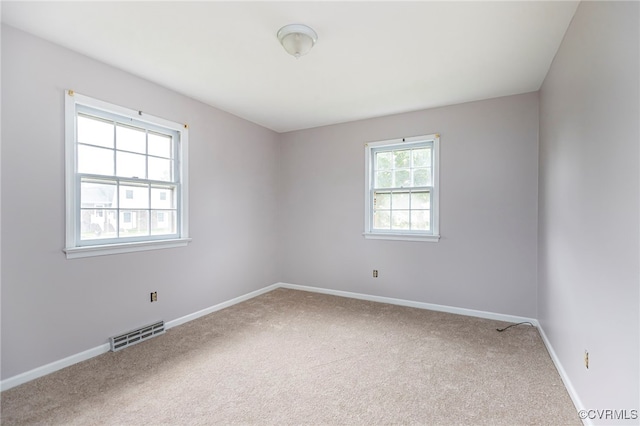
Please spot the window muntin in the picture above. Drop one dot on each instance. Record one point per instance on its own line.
(126, 178)
(401, 192)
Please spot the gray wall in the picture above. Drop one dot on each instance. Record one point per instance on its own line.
(486, 258)
(53, 307)
(588, 240)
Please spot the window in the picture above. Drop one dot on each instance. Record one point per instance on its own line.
(402, 189)
(119, 162)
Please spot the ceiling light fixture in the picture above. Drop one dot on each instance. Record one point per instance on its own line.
(297, 39)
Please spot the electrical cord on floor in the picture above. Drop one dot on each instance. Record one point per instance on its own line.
(513, 325)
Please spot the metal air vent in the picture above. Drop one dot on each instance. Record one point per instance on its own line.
(136, 336)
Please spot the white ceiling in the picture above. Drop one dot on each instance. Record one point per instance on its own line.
(371, 58)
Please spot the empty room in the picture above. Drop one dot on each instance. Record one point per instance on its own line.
(320, 213)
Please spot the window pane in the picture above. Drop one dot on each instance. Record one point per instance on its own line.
(139, 200)
(98, 194)
(381, 201)
(134, 223)
(160, 169)
(384, 160)
(420, 200)
(125, 178)
(422, 177)
(163, 222)
(400, 219)
(400, 201)
(94, 131)
(163, 197)
(160, 145)
(402, 158)
(97, 224)
(131, 139)
(420, 220)
(402, 195)
(382, 219)
(402, 178)
(421, 157)
(93, 160)
(130, 165)
(383, 180)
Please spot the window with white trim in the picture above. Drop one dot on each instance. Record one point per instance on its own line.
(126, 179)
(401, 198)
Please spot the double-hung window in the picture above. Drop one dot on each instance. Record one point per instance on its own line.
(126, 179)
(402, 189)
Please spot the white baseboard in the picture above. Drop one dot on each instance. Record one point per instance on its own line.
(461, 311)
(563, 375)
(27, 376)
(412, 304)
(99, 350)
(219, 306)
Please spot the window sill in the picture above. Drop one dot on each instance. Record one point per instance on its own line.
(90, 251)
(401, 237)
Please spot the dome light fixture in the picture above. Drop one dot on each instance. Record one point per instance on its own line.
(297, 39)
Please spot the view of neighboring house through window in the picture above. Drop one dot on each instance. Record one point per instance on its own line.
(402, 189)
(126, 176)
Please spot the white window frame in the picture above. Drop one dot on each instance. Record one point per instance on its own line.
(73, 247)
(405, 235)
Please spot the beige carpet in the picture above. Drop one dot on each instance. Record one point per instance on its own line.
(293, 357)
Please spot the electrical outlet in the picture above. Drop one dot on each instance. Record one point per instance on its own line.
(375, 273)
(154, 296)
(586, 359)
